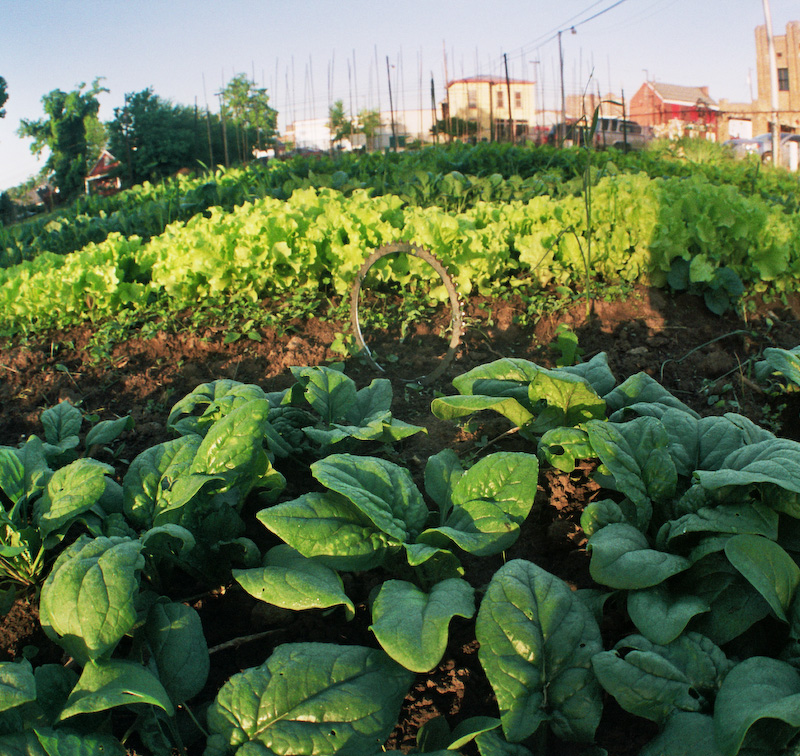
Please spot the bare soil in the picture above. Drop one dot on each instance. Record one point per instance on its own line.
(702, 358)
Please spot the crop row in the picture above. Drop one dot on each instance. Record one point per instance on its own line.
(685, 231)
(693, 542)
(453, 177)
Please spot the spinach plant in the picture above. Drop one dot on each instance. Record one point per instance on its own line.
(371, 515)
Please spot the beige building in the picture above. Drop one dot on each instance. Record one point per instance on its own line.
(751, 119)
(489, 108)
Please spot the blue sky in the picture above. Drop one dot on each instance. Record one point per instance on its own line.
(310, 52)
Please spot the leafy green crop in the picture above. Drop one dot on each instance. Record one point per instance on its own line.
(694, 543)
(492, 232)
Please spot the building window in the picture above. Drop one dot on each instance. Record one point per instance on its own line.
(499, 98)
(783, 79)
(472, 97)
(518, 100)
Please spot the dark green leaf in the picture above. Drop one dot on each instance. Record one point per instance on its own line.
(536, 643)
(179, 649)
(109, 683)
(411, 626)
(292, 581)
(757, 688)
(312, 699)
(87, 601)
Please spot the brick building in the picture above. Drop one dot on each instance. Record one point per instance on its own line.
(750, 119)
(674, 109)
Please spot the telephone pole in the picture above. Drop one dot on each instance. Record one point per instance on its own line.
(773, 86)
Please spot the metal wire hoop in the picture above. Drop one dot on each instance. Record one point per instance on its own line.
(455, 305)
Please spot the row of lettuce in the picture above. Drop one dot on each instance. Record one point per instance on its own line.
(687, 231)
(454, 177)
(694, 544)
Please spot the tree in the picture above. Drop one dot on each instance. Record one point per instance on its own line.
(3, 97)
(340, 125)
(247, 109)
(369, 125)
(63, 132)
(456, 127)
(152, 137)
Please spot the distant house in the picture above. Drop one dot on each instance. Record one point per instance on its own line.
(674, 109)
(493, 106)
(100, 179)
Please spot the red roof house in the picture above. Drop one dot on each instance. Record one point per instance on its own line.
(99, 179)
(657, 104)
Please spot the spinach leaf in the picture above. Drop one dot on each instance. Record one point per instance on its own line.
(149, 489)
(755, 689)
(232, 449)
(208, 403)
(533, 398)
(595, 372)
(105, 684)
(642, 395)
(330, 527)
(562, 400)
(660, 614)
(749, 518)
(563, 447)
(442, 472)
(654, 681)
(61, 422)
(44, 741)
(637, 456)
(71, 491)
(774, 461)
(311, 699)
(537, 640)
(381, 490)
(735, 604)
(87, 601)
(179, 651)
(106, 431)
(490, 502)
(17, 684)
(411, 625)
(622, 558)
(685, 734)
(292, 581)
(784, 362)
(768, 568)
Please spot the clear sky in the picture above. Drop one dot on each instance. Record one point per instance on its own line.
(311, 52)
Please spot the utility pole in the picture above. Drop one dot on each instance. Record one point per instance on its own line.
(391, 104)
(773, 87)
(447, 121)
(221, 96)
(433, 112)
(563, 127)
(508, 89)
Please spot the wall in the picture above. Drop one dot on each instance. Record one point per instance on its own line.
(485, 101)
(787, 50)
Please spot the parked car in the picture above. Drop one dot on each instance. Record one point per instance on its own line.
(611, 132)
(761, 145)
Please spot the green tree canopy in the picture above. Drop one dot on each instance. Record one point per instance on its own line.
(456, 127)
(152, 137)
(247, 108)
(369, 125)
(63, 132)
(340, 124)
(3, 97)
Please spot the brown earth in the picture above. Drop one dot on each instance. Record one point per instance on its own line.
(704, 359)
